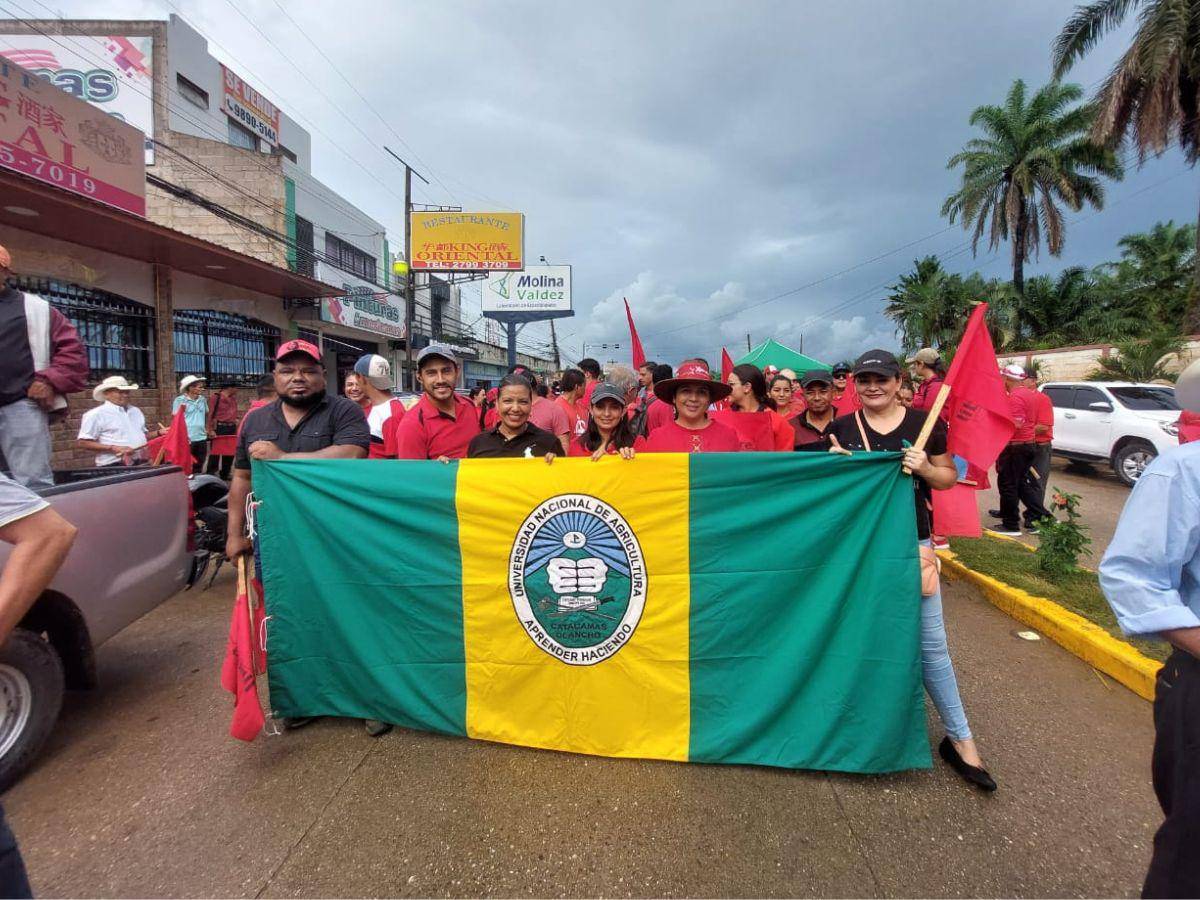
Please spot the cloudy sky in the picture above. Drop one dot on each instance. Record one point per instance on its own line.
(761, 168)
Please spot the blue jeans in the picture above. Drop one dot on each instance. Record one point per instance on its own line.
(938, 671)
(25, 443)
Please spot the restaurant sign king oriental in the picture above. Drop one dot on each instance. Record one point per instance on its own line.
(48, 135)
(467, 241)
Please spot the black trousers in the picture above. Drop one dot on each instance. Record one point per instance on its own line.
(199, 452)
(1017, 487)
(13, 880)
(1175, 768)
(1041, 465)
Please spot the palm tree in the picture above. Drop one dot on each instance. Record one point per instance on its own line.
(1158, 265)
(1140, 361)
(927, 305)
(1153, 92)
(1049, 312)
(1034, 156)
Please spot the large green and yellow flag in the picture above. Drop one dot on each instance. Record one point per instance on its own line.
(733, 608)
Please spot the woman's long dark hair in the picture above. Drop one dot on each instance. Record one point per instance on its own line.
(622, 435)
(753, 376)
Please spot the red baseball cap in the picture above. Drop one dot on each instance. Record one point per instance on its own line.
(287, 348)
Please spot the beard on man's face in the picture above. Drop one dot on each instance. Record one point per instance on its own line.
(306, 402)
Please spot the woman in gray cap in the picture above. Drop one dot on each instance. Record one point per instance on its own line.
(608, 428)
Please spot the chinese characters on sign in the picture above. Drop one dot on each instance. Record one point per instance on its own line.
(48, 135)
(250, 108)
(467, 241)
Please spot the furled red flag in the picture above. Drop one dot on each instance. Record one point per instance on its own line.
(754, 429)
(956, 511)
(980, 422)
(244, 660)
(1189, 427)
(174, 447)
(639, 355)
(726, 366)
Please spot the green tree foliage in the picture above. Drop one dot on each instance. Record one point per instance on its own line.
(1141, 295)
(1034, 158)
(1140, 360)
(1152, 94)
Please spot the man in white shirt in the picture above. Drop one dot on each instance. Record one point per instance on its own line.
(115, 430)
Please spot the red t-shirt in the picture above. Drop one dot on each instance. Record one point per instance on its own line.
(383, 445)
(1044, 416)
(584, 404)
(577, 423)
(795, 407)
(658, 414)
(674, 438)
(578, 449)
(550, 416)
(428, 433)
(1023, 407)
(764, 430)
(924, 396)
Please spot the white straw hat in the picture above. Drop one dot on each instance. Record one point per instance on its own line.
(188, 380)
(112, 383)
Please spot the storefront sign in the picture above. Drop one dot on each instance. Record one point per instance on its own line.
(467, 241)
(537, 289)
(113, 73)
(367, 310)
(249, 108)
(48, 135)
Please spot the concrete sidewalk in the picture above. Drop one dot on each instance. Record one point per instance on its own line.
(141, 793)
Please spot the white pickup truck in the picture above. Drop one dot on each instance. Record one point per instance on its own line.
(131, 554)
(1120, 423)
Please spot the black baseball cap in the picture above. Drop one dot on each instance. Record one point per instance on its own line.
(841, 369)
(815, 376)
(877, 362)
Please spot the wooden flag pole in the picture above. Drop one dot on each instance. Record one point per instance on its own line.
(931, 419)
(244, 588)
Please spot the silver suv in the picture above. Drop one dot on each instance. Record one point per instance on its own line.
(1121, 423)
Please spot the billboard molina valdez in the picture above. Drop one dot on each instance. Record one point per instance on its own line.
(112, 72)
(537, 289)
(467, 241)
(244, 104)
(48, 135)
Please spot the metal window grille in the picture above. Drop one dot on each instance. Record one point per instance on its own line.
(222, 347)
(117, 333)
(349, 258)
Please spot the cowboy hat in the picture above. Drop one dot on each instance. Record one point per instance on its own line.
(691, 373)
(112, 383)
(188, 380)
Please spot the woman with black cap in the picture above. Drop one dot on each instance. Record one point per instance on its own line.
(883, 424)
(513, 435)
(608, 429)
(691, 392)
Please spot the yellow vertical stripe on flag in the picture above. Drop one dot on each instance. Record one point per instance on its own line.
(634, 701)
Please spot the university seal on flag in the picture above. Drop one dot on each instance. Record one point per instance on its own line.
(577, 579)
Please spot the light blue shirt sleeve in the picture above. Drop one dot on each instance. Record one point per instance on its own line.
(1149, 573)
(176, 403)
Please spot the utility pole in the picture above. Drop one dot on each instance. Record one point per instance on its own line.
(747, 342)
(409, 290)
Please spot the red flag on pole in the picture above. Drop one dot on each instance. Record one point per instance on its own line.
(956, 511)
(244, 660)
(980, 422)
(639, 355)
(726, 366)
(173, 448)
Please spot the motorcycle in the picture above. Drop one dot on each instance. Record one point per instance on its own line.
(210, 515)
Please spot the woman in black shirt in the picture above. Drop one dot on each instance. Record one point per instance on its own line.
(883, 424)
(513, 435)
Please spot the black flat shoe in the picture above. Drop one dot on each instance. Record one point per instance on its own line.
(975, 775)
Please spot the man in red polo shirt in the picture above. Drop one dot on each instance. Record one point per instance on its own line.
(1013, 480)
(442, 423)
(1043, 438)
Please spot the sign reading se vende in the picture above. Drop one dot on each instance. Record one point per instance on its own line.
(47, 134)
(250, 108)
(467, 241)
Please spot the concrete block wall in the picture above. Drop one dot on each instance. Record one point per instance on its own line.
(1076, 363)
(255, 191)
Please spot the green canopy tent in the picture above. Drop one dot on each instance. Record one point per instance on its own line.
(772, 353)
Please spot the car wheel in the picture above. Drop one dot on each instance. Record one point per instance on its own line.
(1131, 460)
(31, 695)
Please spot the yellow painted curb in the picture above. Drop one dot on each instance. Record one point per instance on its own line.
(1088, 641)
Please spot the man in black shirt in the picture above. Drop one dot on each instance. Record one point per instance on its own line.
(303, 423)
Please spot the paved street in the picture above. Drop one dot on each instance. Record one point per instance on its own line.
(141, 793)
(1103, 498)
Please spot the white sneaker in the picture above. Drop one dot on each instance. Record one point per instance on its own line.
(941, 544)
(1003, 533)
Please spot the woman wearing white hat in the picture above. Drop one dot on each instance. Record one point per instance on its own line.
(195, 413)
(115, 430)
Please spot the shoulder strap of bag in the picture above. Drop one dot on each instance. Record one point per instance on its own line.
(862, 432)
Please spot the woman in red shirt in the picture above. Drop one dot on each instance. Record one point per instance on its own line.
(608, 428)
(751, 414)
(783, 393)
(691, 392)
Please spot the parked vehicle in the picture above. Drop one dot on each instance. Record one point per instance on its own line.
(131, 554)
(1124, 424)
